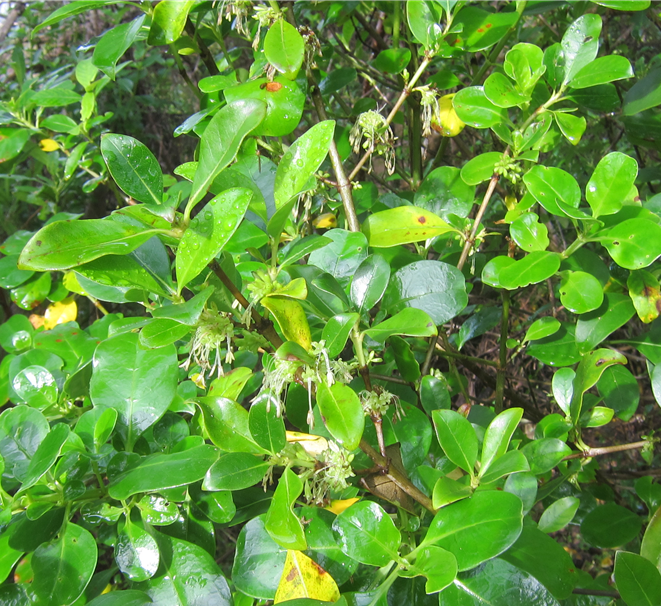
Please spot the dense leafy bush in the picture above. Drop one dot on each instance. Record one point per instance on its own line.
(385, 330)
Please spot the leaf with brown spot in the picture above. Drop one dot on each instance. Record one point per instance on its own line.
(645, 293)
(302, 577)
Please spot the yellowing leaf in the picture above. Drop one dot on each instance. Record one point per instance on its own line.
(36, 320)
(325, 221)
(48, 145)
(71, 283)
(304, 578)
(291, 317)
(313, 445)
(60, 313)
(446, 120)
(339, 505)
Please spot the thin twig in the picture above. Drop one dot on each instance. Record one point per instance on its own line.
(500, 377)
(595, 452)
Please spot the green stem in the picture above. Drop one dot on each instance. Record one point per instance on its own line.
(385, 586)
(500, 377)
(184, 73)
(573, 247)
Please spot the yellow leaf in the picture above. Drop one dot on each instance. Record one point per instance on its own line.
(290, 316)
(60, 313)
(338, 506)
(36, 320)
(48, 145)
(325, 221)
(71, 283)
(446, 121)
(304, 578)
(313, 445)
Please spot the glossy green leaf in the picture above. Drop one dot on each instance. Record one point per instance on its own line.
(544, 454)
(291, 318)
(136, 552)
(424, 21)
(22, 430)
(610, 183)
(16, 334)
(529, 233)
(168, 21)
(125, 597)
(410, 322)
(437, 288)
(133, 167)
(638, 581)
(502, 92)
(142, 391)
(448, 491)
(342, 257)
(479, 29)
(479, 323)
(235, 471)
(336, 332)
(392, 60)
(524, 64)
(160, 471)
(226, 423)
(64, 567)
(113, 44)
(408, 366)
(444, 191)
(541, 328)
(610, 526)
(266, 427)
(634, 243)
(188, 572)
(620, 391)
(369, 282)
(572, 127)
(342, 413)
(498, 435)
(58, 96)
(280, 522)
(602, 70)
(301, 161)
(209, 232)
(65, 244)
(593, 327)
(477, 529)
(580, 292)
(367, 534)
(457, 438)
(45, 456)
(157, 510)
(10, 275)
(284, 48)
(650, 547)
(221, 141)
(475, 109)
(302, 248)
(558, 514)
(402, 225)
(644, 94)
(580, 45)
(438, 565)
(539, 555)
(624, 5)
(549, 185)
(513, 461)
(504, 272)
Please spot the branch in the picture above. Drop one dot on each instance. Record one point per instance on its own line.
(205, 53)
(595, 452)
(7, 24)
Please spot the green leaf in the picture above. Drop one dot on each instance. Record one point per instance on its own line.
(140, 384)
(367, 534)
(168, 21)
(438, 565)
(104, 426)
(284, 48)
(16, 334)
(603, 70)
(22, 430)
(620, 391)
(424, 22)
(479, 29)
(513, 461)
(392, 60)
(633, 244)
(580, 292)
(121, 597)
(136, 552)
(408, 366)
(541, 328)
(498, 435)
(160, 471)
(437, 288)
(70, 10)
(336, 332)
(480, 168)
(610, 526)
(651, 545)
(558, 514)
(133, 167)
(221, 141)
(624, 5)
(479, 528)
(524, 63)
(342, 413)
(593, 327)
(500, 90)
(32, 293)
(457, 438)
(291, 318)
(545, 559)
(63, 568)
(226, 422)
(644, 94)
(529, 233)
(282, 525)
(477, 324)
(188, 572)
(448, 491)
(302, 248)
(235, 471)
(369, 282)
(544, 454)
(13, 143)
(410, 322)
(402, 225)
(45, 456)
(157, 510)
(550, 185)
(209, 232)
(113, 44)
(301, 161)
(638, 581)
(187, 313)
(444, 192)
(580, 45)
(610, 183)
(535, 267)
(342, 257)
(572, 127)
(66, 244)
(266, 427)
(160, 333)
(475, 109)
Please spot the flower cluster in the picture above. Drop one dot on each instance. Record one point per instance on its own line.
(332, 475)
(509, 168)
(375, 403)
(372, 133)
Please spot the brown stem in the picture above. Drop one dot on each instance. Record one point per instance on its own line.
(476, 225)
(381, 43)
(14, 14)
(502, 367)
(263, 326)
(205, 53)
(378, 425)
(595, 452)
(395, 476)
(365, 374)
(453, 354)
